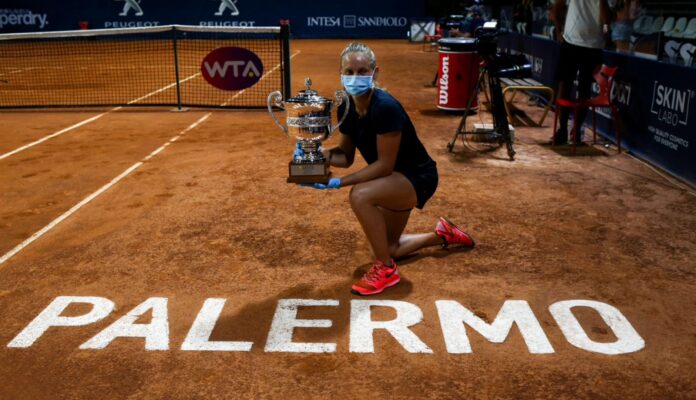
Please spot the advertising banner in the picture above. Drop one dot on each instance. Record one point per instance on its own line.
(355, 19)
(541, 53)
(656, 101)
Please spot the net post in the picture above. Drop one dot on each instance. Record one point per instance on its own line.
(176, 69)
(285, 45)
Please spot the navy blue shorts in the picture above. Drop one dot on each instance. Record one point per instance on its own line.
(424, 181)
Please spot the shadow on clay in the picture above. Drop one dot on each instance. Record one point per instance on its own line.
(253, 321)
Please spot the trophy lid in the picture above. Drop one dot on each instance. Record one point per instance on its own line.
(308, 95)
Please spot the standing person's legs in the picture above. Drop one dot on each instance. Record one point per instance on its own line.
(567, 70)
(563, 92)
(591, 59)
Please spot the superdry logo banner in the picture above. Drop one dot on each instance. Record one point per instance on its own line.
(232, 68)
(22, 18)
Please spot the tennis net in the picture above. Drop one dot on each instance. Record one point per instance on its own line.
(173, 65)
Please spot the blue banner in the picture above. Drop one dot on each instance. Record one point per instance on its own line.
(541, 53)
(656, 101)
(658, 111)
(308, 19)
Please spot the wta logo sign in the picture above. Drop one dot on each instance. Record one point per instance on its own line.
(232, 68)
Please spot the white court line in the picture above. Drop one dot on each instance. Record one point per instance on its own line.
(163, 89)
(18, 70)
(92, 119)
(114, 181)
(111, 68)
(60, 132)
(96, 194)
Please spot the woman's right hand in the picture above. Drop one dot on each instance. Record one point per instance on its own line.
(334, 183)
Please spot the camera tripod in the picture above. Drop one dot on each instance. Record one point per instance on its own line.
(500, 133)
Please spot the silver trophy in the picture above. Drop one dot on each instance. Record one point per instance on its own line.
(308, 120)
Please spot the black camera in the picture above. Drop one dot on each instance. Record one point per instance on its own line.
(500, 65)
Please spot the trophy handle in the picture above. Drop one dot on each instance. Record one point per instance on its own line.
(342, 98)
(275, 99)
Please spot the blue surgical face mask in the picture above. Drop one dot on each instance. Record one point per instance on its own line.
(357, 85)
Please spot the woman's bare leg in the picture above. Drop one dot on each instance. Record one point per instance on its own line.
(368, 199)
(414, 242)
(401, 245)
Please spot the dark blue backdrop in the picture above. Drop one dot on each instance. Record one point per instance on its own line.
(656, 100)
(321, 19)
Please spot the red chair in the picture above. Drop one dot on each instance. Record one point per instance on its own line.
(605, 79)
(431, 40)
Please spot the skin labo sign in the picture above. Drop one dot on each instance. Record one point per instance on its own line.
(455, 321)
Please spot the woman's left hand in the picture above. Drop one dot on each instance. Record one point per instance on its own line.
(334, 183)
(298, 153)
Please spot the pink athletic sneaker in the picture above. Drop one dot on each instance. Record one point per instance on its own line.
(376, 279)
(452, 235)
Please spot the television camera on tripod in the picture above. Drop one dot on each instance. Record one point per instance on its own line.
(495, 65)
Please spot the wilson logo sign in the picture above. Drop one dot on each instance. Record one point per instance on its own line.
(232, 68)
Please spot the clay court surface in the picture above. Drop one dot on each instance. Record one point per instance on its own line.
(210, 216)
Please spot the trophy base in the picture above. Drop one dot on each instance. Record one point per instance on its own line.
(309, 173)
